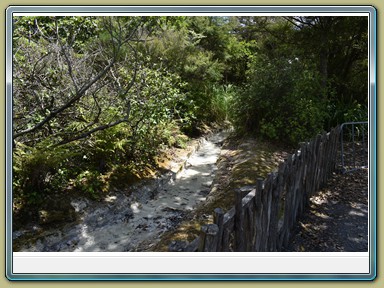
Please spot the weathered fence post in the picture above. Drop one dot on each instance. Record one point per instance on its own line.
(208, 235)
(239, 221)
(281, 205)
(317, 152)
(219, 220)
(258, 212)
(251, 225)
(274, 213)
(265, 215)
(284, 232)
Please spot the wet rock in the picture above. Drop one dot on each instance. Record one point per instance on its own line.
(171, 209)
(128, 215)
(73, 241)
(207, 184)
(17, 234)
(177, 246)
(79, 205)
(142, 226)
(204, 192)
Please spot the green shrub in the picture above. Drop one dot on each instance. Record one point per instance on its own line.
(90, 183)
(284, 101)
(39, 171)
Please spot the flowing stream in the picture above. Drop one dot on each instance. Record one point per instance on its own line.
(121, 223)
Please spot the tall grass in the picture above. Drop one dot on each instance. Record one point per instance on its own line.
(222, 97)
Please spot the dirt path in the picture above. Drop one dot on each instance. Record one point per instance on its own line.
(122, 224)
(337, 220)
(241, 161)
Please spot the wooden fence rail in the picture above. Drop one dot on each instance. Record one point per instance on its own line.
(263, 219)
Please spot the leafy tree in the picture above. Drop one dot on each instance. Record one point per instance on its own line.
(182, 51)
(300, 73)
(338, 45)
(101, 92)
(63, 90)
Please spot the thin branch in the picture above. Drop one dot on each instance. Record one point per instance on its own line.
(117, 41)
(76, 98)
(88, 133)
(292, 22)
(69, 65)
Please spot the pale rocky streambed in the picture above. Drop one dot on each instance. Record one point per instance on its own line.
(124, 222)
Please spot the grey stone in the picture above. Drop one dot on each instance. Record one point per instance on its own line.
(177, 246)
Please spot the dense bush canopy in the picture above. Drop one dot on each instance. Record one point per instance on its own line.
(97, 98)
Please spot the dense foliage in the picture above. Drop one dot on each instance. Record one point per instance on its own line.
(97, 98)
(305, 75)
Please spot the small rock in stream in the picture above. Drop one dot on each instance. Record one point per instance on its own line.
(79, 205)
(171, 209)
(204, 192)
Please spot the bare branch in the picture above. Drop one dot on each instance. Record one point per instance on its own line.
(289, 19)
(69, 65)
(76, 98)
(88, 133)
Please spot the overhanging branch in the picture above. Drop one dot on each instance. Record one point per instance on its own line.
(88, 133)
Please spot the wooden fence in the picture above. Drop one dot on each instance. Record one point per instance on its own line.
(263, 219)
